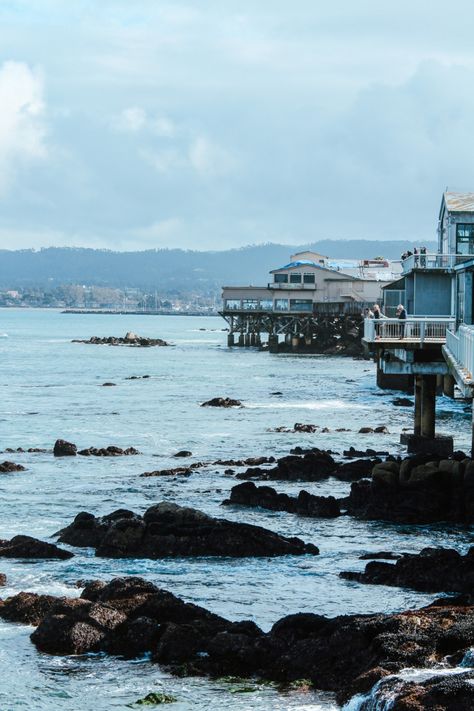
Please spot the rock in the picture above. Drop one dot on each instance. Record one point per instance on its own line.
(108, 385)
(64, 449)
(183, 453)
(366, 430)
(448, 692)
(3, 579)
(312, 466)
(28, 547)
(403, 402)
(380, 555)
(131, 339)
(168, 530)
(300, 427)
(351, 453)
(28, 608)
(156, 697)
(345, 654)
(431, 570)
(354, 470)
(222, 402)
(381, 429)
(426, 489)
(176, 471)
(110, 451)
(304, 504)
(8, 467)
(138, 377)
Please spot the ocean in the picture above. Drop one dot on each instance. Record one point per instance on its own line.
(52, 388)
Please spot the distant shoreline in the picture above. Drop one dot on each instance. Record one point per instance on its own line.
(120, 312)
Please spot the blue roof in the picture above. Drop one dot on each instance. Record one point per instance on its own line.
(300, 263)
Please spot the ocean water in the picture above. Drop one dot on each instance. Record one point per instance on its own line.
(51, 388)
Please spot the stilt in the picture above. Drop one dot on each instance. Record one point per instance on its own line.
(230, 340)
(241, 339)
(448, 386)
(417, 427)
(247, 339)
(428, 405)
(295, 342)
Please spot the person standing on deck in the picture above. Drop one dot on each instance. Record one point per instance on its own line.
(416, 255)
(423, 257)
(402, 317)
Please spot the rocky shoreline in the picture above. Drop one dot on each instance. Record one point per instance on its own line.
(346, 655)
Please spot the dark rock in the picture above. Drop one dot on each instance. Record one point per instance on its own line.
(351, 453)
(403, 402)
(222, 402)
(176, 471)
(301, 427)
(355, 470)
(27, 547)
(449, 692)
(131, 339)
(138, 377)
(312, 466)
(64, 449)
(420, 489)
(109, 385)
(431, 570)
(156, 697)
(183, 453)
(167, 530)
(8, 467)
(28, 608)
(381, 429)
(3, 579)
(266, 497)
(380, 555)
(110, 451)
(366, 430)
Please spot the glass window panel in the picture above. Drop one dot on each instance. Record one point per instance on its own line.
(266, 304)
(281, 304)
(308, 278)
(281, 278)
(295, 278)
(232, 304)
(301, 305)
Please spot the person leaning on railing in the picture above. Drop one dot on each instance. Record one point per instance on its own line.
(402, 317)
(378, 315)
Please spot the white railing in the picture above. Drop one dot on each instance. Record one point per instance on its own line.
(433, 261)
(414, 329)
(461, 347)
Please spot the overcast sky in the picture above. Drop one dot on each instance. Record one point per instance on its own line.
(218, 123)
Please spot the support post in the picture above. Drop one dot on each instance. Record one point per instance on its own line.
(428, 397)
(448, 386)
(417, 426)
(241, 339)
(247, 339)
(230, 340)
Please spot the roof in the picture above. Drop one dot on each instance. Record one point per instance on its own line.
(300, 263)
(459, 202)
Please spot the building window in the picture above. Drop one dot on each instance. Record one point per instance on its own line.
(250, 304)
(308, 278)
(266, 304)
(281, 304)
(281, 278)
(295, 278)
(232, 304)
(464, 239)
(301, 305)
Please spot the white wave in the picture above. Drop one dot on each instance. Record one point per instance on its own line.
(319, 405)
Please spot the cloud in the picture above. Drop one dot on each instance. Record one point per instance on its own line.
(209, 159)
(22, 124)
(131, 120)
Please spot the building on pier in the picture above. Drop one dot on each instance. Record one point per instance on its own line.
(435, 344)
(299, 294)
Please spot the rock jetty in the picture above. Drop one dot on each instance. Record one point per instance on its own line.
(130, 339)
(420, 489)
(431, 570)
(168, 530)
(347, 654)
(266, 497)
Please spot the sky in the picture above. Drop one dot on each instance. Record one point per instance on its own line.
(220, 123)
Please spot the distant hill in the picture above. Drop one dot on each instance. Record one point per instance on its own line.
(172, 269)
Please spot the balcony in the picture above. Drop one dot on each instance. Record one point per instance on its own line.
(433, 261)
(413, 331)
(284, 285)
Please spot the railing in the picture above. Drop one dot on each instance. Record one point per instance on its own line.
(461, 346)
(433, 261)
(284, 285)
(415, 330)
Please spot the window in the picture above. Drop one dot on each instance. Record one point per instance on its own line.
(281, 278)
(266, 304)
(281, 304)
(250, 304)
(301, 305)
(295, 278)
(232, 304)
(465, 239)
(308, 278)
